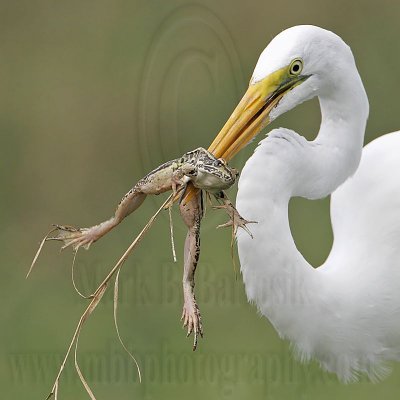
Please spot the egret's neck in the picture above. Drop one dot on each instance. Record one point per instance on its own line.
(325, 163)
(344, 113)
(277, 277)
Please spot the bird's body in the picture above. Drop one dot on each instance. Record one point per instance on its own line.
(345, 313)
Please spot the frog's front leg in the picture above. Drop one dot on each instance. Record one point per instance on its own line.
(84, 237)
(235, 219)
(192, 213)
(160, 180)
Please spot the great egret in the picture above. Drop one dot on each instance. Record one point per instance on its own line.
(346, 313)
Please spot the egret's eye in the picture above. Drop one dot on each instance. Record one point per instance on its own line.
(296, 67)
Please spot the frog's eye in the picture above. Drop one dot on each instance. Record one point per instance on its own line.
(192, 172)
(219, 162)
(296, 67)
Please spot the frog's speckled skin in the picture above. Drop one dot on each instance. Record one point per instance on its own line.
(198, 166)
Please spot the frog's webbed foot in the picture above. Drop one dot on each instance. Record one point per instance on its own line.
(192, 319)
(235, 219)
(77, 237)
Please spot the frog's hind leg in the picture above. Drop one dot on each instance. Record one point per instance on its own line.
(192, 214)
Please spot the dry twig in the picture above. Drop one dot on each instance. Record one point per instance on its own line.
(95, 299)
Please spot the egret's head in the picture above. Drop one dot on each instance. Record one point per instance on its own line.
(300, 63)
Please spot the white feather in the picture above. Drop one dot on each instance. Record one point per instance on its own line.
(346, 313)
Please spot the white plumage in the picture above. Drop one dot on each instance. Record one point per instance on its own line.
(346, 313)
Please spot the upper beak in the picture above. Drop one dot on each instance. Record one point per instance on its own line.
(252, 113)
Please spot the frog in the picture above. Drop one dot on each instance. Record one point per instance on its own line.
(205, 172)
(198, 166)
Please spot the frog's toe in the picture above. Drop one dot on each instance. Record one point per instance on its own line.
(237, 223)
(73, 237)
(192, 321)
(235, 219)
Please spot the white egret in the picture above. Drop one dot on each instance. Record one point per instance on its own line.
(346, 313)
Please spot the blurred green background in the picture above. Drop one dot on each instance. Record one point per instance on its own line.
(93, 94)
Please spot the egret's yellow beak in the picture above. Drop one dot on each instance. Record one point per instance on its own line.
(252, 113)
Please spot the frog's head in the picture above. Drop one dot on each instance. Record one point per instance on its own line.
(214, 175)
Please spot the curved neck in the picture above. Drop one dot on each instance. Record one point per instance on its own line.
(344, 114)
(276, 276)
(335, 154)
